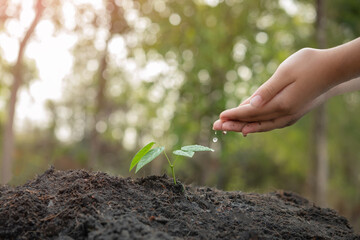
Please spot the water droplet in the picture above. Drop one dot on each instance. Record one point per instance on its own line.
(215, 139)
(215, 132)
(224, 132)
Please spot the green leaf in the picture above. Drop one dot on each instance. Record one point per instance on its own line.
(184, 153)
(151, 155)
(196, 148)
(140, 154)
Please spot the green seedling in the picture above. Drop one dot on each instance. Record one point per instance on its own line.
(147, 154)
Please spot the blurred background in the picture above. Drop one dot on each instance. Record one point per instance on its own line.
(87, 83)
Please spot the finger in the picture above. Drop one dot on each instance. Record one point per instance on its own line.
(267, 125)
(234, 126)
(269, 90)
(217, 126)
(262, 118)
(248, 113)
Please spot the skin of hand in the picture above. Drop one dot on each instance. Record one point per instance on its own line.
(263, 126)
(289, 120)
(297, 86)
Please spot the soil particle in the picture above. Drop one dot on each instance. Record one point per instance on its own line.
(78, 204)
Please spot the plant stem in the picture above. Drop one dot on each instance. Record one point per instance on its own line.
(167, 158)
(173, 173)
(172, 168)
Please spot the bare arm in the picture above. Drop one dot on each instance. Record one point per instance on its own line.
(349, 86)
(263, 126)
(303, 81)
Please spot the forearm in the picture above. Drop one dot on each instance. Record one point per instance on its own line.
(349, 86)
(344, 70)
(303, 81)
(344, 62)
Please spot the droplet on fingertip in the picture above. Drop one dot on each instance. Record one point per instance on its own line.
(224, 132)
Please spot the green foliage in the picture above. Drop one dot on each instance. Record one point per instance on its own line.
(184, 153)
(141, 153)
(145, 155)
(196, 148)
(149, 156)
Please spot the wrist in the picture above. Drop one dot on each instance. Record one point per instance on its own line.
(344, 61)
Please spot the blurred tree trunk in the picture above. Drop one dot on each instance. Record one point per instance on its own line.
(99, 105)
(8, 140)
(320, 153)
(118, 25)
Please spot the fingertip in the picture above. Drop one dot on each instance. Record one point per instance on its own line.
(217, 125)
(248, 128)
(245, 131)
(230, 114)
(225, 114)
(234, 126)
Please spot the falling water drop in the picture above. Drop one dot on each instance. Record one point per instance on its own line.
(224, 132)
(215, 139)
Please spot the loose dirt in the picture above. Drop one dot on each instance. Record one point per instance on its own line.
(78, 204)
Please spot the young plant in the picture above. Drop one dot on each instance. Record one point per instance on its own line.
(146, 155)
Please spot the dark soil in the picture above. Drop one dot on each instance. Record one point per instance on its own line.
(92, 205)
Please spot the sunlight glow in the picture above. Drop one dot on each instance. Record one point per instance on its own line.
(51, 55)
(54, 61)
(9, 48)
(212, 3)
(289, 6)
(153, 69)
(97, 4)
(69, 11)
(50, 50)
(175, 19)
(129, 140)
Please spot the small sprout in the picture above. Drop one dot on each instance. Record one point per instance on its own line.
(140, 154)
(184, 153)
(149, 156)
(146, 155)
(196, 148)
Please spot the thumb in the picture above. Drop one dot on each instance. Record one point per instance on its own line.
(267, 91)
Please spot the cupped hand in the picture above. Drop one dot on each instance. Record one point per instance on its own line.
(285, 97)
(296, 83)
(299, 84)
(267, 125)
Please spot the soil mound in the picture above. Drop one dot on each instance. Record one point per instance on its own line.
(78, 204)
